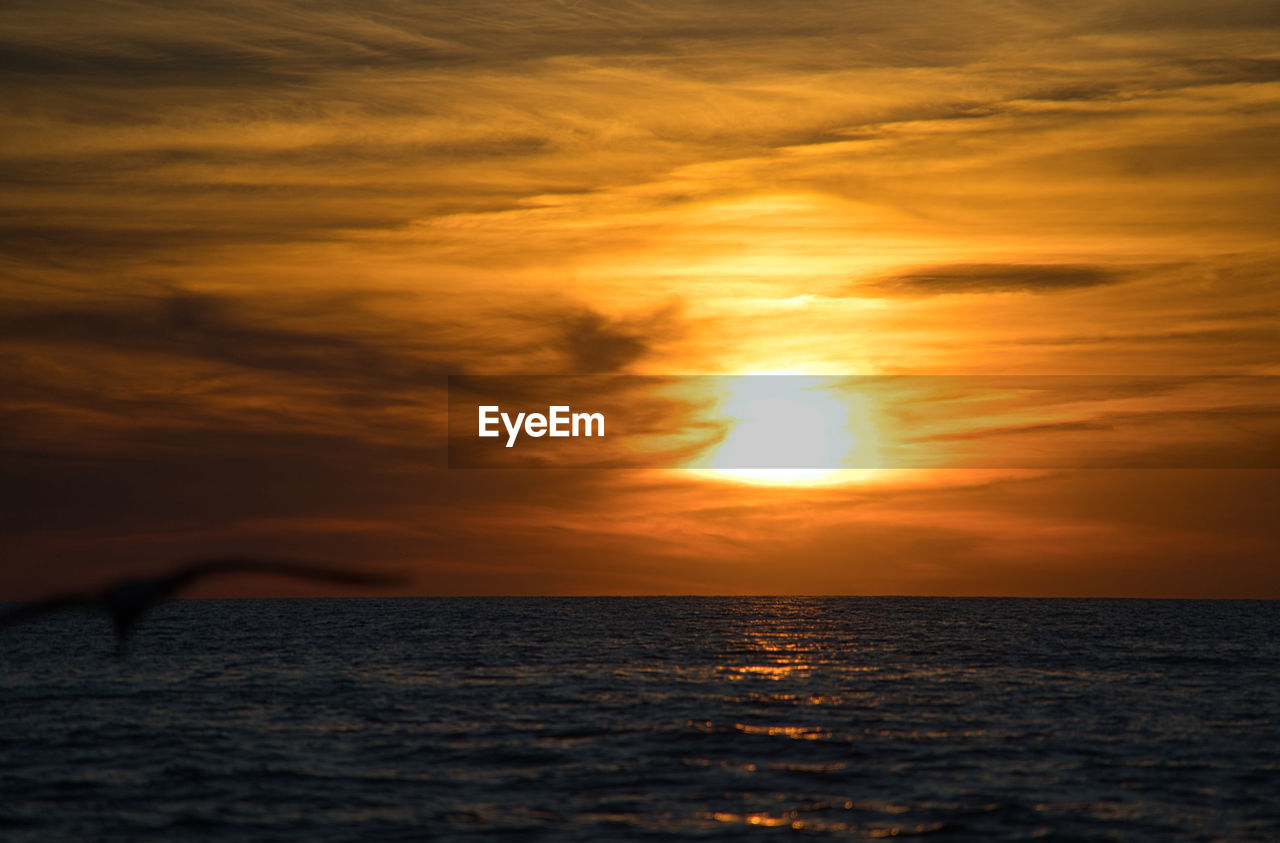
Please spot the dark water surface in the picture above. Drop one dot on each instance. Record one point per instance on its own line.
(647, 718)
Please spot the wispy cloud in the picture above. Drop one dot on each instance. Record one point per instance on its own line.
(239, 247)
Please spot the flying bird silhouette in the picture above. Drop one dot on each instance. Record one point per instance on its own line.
(127, 600)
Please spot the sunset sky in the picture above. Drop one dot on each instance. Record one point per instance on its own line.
(244, 245)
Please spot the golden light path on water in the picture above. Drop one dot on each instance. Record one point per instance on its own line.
(792, 429)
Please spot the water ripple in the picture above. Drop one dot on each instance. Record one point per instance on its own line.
(668, 719)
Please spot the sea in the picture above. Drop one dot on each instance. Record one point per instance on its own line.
(665, 718)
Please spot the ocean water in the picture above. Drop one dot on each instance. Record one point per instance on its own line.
(647, 719)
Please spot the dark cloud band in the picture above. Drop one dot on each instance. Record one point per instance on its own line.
(992, 278)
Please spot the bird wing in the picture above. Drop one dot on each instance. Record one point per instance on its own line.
(61, 603)
(277, 567)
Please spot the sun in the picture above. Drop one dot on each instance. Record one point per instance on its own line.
(790, 429)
